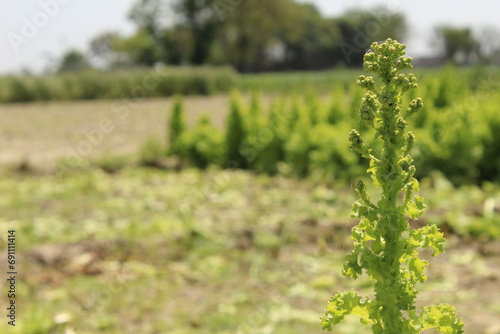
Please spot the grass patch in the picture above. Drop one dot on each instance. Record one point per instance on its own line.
(149, 251)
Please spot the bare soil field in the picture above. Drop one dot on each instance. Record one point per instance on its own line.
(41, 133)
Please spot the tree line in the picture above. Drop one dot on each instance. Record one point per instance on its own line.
(258, 35)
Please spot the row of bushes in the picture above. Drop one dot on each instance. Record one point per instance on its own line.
(93, 84)
(458, 133)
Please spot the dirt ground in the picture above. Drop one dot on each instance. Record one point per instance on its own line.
(462, 277)
(33, 132)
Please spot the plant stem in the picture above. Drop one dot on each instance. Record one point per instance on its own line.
(384, 290)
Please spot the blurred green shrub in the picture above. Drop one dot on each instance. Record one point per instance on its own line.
(304, 133)
(93, 84)
(236, 133)
(176, 125)
(203, 145)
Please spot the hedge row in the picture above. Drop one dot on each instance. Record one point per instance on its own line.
(92, 84)
(458, 132)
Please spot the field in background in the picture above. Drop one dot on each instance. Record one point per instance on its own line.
(144, 250)
(457, 130)
(41, 133)
(205, 80)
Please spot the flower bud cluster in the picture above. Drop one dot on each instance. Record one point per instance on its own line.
(385, 57)
(410, 140)
(406, 83)
(387, 99)
(366, 82)
(369, 106)
(401, 125)
(415, 106)
(404, 63)
(355, 139)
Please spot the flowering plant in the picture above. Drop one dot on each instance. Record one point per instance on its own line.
(384, 245)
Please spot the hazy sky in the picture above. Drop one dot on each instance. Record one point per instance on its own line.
(34, 32)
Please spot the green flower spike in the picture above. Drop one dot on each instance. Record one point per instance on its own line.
(385, 248)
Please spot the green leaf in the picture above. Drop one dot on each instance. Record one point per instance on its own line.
(443, 317)
(416, 267)
(347, 303)
(416, 208)
(419, 203)
(375, 172)
(352, 268)
(428, 236)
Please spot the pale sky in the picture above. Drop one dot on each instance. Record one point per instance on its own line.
(33, 32)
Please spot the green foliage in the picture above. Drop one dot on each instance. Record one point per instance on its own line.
(457, 42)
(301, 134)
(19, 90)
(73, 61)
(270, 140)
(298, 147)
(202, 22)
(355, 29)
(203, 146)
(137, 83)
(139, 49)
(335, 110)
(176, 125)
(327, 158)
(236, 133)
(489, 165)
(384, 247)
(217, 32)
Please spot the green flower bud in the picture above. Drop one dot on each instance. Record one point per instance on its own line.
(366, 82)
(413, 80)
(404, 63)
(387, 99)
(401, 124)
(415, 106)
(406, 83)
(366, 114)
(410, 141)
(355, 139)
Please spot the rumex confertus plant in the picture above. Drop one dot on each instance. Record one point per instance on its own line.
(384, 245)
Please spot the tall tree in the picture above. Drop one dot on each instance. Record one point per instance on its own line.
(149, 15)
(200, 18)
(139, 49)
(359, 28)
(457, 44)
(103, 49)
(73, 61)
(313, 42)
(489, 45)
(256, 30)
